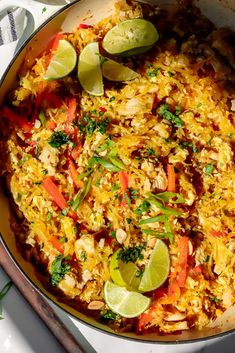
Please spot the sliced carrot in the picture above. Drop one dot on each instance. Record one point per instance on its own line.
(76, 151)
(74, 175)
(183, 260)
(85, 26)
(173, 293)
(198, 269)
(171, 178)
(72, 105)
(146, 318)
(53, 190)
(51, 125)
(16, 118)
(57, 244)
(218, 234)
(54, 44)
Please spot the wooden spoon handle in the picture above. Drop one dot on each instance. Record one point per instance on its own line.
(39, 304)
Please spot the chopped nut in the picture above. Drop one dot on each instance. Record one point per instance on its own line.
(190, 246)
(121, 235)
(176, 316)
(95, 305)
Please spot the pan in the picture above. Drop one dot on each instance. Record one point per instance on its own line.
(222, 14)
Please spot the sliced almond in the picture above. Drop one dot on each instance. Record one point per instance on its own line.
(190, 247)
(95, 305)
(121, 235)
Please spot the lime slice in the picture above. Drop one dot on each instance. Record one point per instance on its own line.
(133, 36)
(157, 269)
(123, 302)
(89, 70)
(114, 270)
(62, 62)
(114, 71)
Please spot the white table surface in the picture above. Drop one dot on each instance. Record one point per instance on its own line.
(21, 331)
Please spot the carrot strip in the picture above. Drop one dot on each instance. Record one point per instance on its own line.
(51, 125)
(16, 118)
(218, 234)
(52, 189)
(57, 244)
(173, 293)
(74, 175)
(171, 178)
(72, 105)
(124, 180)
(76, 151)
(54, 44)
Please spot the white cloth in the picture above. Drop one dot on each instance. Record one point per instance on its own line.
(12, 24)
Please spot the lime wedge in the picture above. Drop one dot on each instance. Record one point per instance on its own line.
(114, 270)
(124, 274)
(62, 62)
(89, 70)
(114, 71)
(129, 273)
(157, 269)
(123, 302)
(130, 37)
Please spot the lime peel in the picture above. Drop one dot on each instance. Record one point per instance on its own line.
(123, 302)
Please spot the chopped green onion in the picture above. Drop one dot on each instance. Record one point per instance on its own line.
(160, 218)
(42, 118)
(169, 197)
(81, 195)
(166, 210)
(106, 164)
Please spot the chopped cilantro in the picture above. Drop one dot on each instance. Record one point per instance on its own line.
(58, 138)
(44, 9)
(207, 258)
(209, 169)
(112, 234)
(150, 151)
(111, 99)
(37, 183)
(103, 126)
(115, 187)
(63, 239)
(131, 254)
(142, 208)
(91, 125)
(188, 144)
(134, 193)
(230, 135)
(153, 72)
(173, 118)
(83, 256)
(108, 315)
(216, 300)
(129, 220)
(59, 268)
